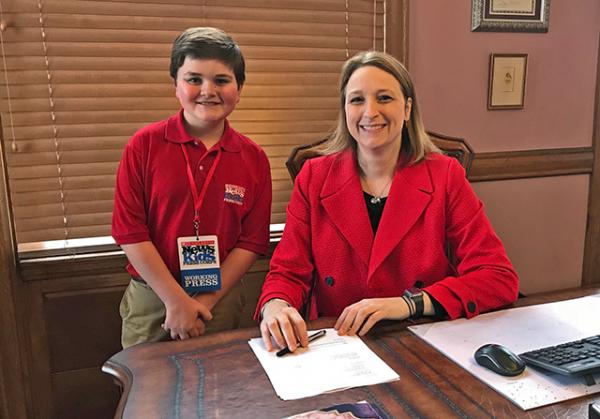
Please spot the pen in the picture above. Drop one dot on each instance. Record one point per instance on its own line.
(311, 338)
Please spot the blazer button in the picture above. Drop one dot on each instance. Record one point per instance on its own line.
(471, 307)
(329, 281)
(418, 284)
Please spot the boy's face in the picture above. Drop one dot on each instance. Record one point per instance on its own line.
(207, 91)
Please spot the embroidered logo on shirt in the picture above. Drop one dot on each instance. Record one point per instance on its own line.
(234, 194)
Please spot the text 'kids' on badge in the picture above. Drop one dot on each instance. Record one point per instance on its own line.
(199, 263)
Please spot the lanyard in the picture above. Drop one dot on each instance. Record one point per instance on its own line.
(199, 198)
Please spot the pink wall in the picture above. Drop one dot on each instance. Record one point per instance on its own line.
(541, 221)
(542, 225)
(450, 67)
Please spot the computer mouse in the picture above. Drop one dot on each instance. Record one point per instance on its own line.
(499, 359)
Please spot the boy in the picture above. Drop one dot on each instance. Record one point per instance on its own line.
(189, 190)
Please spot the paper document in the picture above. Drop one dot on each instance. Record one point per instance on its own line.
(330, 363)
(521, 330)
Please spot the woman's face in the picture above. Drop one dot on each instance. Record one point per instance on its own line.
(376, 109)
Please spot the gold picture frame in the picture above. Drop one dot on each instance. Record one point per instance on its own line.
(510, 15)
(507, 79)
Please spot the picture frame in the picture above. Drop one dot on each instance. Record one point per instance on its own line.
(510, 15)
(507, 79)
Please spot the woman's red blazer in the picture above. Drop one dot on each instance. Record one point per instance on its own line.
(430, 207)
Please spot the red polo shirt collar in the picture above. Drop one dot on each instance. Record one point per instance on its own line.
(175, 132)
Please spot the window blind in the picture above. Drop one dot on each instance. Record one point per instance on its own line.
(80, 77)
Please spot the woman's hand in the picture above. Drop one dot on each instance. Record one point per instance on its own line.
(284, 324)
(360, 317)
(185, 318)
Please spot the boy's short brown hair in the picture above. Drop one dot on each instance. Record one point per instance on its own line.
(208, 43)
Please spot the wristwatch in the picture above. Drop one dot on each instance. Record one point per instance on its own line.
(416, 296)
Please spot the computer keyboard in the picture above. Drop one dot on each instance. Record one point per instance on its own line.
(576, 358)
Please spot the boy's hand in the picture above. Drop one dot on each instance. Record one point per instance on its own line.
(185, 318)
(207, 299)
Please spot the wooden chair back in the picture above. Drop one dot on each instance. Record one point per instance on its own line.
(451, 146)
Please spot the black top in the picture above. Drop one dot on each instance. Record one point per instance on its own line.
(375, 210)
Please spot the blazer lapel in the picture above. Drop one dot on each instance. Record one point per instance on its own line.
(342, 199)
(409, 196)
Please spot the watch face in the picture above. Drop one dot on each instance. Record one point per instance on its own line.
(416, 296)
(414, 291)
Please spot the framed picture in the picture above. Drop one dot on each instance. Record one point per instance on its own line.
(506, 86)
(510, 15)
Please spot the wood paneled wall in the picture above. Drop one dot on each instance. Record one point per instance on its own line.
(13, 369)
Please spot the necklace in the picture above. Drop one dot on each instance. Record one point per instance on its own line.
(376, 199)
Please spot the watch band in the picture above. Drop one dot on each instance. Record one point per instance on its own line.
(416, 296)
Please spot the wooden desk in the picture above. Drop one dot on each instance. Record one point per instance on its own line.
(218, 376)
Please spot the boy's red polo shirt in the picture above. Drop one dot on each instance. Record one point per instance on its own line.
(153, 198)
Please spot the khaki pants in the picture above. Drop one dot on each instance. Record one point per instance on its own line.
(143, 313)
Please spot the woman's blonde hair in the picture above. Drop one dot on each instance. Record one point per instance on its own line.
(415, 141)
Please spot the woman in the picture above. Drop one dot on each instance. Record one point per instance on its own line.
(369, 224)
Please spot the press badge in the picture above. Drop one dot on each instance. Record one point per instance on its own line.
(199, 263)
